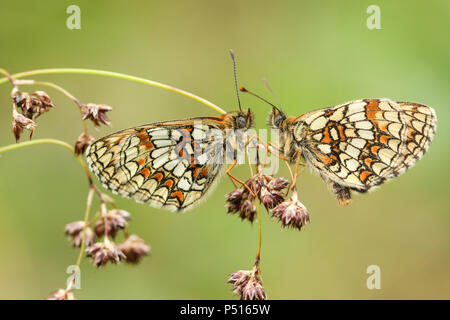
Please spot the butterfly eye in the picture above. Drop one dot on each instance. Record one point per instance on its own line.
(241, 122)
(277, 118)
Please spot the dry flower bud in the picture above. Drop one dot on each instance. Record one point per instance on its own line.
(22, 100)
(248, 284)
(134, 248)
(102, 252)
(266, 188)
(271, 194)
(248, 209)
(20, 123)
(254, 290)
(75, 231)
(239, 280)
(34, 104)
(255, 184)
(291, 213)
(278, 184)
(62, 294)
(83, 141)
(44, 98)
(111, 222)
(271, 199)
(241, 201)
(97, 113)
(234, 199)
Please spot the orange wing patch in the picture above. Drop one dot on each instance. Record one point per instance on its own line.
(146, 172)
(372, 108)
(364, 175)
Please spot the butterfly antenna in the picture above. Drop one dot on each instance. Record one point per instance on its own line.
(235, 78)
(266, 83)
(242, 89)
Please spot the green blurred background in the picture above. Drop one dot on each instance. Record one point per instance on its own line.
(315, 54)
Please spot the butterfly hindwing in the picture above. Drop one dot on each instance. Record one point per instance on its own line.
(362, 143)
(422, 122)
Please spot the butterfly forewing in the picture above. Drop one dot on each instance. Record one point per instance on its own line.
(166, 165)
(362, 143)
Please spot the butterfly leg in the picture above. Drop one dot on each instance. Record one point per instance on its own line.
(234, 179)
(298, 156)
(269, 146)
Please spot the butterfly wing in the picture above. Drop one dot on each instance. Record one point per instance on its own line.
(422, 123)
(169, 165)
(360, 144)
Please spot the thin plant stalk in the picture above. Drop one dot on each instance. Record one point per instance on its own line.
(60, 89)
(113, 75)
(35, 142)
(86, 220)
(258, 253)
(83, 236)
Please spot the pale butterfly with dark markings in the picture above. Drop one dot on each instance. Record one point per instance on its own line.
(356, 145)
(172, 164)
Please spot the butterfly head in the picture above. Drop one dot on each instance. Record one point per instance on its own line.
(243, 120)
(240, 119)
(276, 118)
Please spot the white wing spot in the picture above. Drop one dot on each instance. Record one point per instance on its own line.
(319, 123)
(356, 107)
(358, 142)
(324, 148)
(363, 125)
(352, 164)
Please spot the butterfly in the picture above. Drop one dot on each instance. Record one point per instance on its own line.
(172, 164)
(356, 145)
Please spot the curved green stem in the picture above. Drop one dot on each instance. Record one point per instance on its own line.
(60, 89)
(86, 219)
(115, 75)
(7, 76)
(35, 142)
(48, 141)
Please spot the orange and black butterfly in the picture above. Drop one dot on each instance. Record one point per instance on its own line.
(172, 164)
(356, 145)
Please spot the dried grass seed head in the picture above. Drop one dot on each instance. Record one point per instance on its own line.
(33, 104)
(20, 123)
(266, 188)
(111, 222)
(96, 113)
(83, 141)
(104, 252)
(248, 284)
(134, 249)
(291, 213)
(75, 232)
(62, 294)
